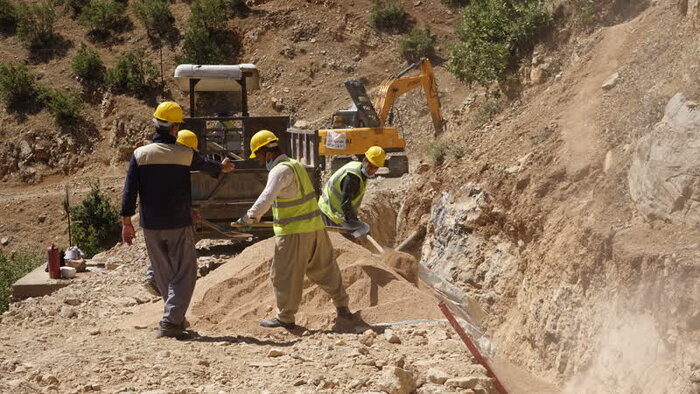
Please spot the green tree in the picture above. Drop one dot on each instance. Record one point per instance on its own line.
(156, 17)
(95, 223)
(200, 47)
(133, 74)
(493, 34)
(389, 16)
(417, 44)
(103, 16)
(209, 15)
(12, 268)
(64, 104)
(35, 23)
(8, 16)
(17, 85)
(87, 65)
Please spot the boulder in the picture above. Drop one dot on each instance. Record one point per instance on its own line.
(664, 177)
(394, 380)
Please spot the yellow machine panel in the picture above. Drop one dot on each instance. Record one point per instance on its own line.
(356, 141)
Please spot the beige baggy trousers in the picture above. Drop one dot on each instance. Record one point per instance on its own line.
(299, 254)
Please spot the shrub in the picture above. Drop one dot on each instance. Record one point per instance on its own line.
(102, 16)
(76, 6)
(585, 13)
(455, 3)
(236, 7)
(17, 85)
(441, 150)
(95, 223)
(493, 34)
(389, 16)
(12, 268)
(487, 112)
(133, 74)
(35, 23)
(64, 105)
(87, 65)
(7, 16)
(156, 16)
(200, 47)
(417, 44)
(209, 15)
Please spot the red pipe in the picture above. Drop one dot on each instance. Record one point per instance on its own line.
(472, 348)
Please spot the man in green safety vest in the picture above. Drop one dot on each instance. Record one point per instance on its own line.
(342, 195)
(302, 245)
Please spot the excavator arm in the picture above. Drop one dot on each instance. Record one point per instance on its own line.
(390, 90)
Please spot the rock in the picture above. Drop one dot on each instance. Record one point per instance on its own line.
(68, 312)
(695, 376)
(25, 149)
(537, 75)
(437, 389)
(299, 382)
(275, 353)
(611, 81)
(368, 338)
(113, 264)
(463, 382)
(163, 354)
(340, 342)
(437, 376)
(391, 337)
(4, 241)
(301, 124)
(662, 176)
(394, 380)
(41, 218)
(50, 379)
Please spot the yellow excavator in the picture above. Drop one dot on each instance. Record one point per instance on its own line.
(356, 129)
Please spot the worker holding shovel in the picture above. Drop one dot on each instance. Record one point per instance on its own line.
(343, 193)
(302, 245)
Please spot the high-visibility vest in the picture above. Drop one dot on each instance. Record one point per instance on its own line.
(299, 214)
(332, 197)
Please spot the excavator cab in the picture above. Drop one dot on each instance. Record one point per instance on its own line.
(354, 130)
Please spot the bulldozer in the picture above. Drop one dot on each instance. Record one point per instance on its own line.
(366, 124)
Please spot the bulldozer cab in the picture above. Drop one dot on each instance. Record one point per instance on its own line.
(220, 117)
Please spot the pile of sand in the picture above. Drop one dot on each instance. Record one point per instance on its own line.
(239, 294)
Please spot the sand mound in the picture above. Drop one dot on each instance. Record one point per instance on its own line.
(240, 293)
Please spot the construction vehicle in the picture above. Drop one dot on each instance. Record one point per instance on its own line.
(224, 89)
(354, 130)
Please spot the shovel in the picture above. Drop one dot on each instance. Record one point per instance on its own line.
(356, 229)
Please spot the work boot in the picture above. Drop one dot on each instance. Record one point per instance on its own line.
(150, 285)
(170, 330)
(343, 312)
(275, 322)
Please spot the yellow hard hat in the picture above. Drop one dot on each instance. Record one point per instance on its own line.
(376, 155)
(169, 111)
(188, 138)
(260, 139)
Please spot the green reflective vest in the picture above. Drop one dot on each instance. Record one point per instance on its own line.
(332, 197)
(299, 214)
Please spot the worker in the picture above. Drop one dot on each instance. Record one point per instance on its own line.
(342, 195)
(159, 176)
(302, 245)
(190, 140)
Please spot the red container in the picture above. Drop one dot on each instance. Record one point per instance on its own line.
(54, 261)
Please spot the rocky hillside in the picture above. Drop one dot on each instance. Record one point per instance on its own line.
(568, 210)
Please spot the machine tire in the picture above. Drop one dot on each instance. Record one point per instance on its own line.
(397, 165)
(338, 162)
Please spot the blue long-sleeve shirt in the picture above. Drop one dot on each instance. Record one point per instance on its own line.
(159, 175)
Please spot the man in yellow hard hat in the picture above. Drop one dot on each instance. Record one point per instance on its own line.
(190, 140)
(302, 245)
(343, 193)
(159, 176)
